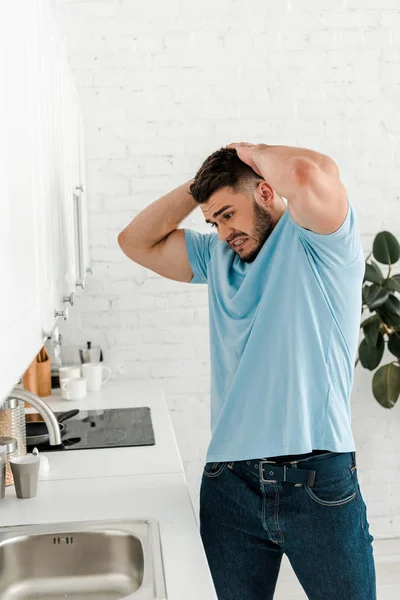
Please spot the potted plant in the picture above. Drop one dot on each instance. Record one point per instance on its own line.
(379, 295)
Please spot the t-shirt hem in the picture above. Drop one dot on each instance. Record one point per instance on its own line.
(282, 451)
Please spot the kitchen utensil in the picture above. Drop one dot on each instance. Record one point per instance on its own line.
(53, 347)
(25, 470)
(43, 373)
(37, 432)
(29, 378)
(95, 374)
(90, 354)
(11, 445)
(12, 422)
(73, 388)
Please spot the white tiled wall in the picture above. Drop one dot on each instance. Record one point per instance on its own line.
(163, 83)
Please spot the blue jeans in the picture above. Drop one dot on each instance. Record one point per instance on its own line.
(246, 526)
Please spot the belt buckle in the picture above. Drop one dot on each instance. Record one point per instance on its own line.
(271, 462)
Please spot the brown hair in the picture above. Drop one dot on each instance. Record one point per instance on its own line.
(221, 169)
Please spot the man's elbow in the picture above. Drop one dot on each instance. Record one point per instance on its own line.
(123, 242)
(304, 170)
(128, 248)
(329, 166)
(120, 238)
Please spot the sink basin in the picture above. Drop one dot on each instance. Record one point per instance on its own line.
(96, 560)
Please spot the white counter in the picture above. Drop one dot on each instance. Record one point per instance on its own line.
(163, 457)
(136, 482)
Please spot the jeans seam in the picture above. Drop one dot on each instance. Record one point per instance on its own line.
(277, 516)
(216, 473)
(264, 521)
(360, 508)
(334, 503)
(326, 502)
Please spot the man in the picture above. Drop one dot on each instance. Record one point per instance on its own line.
(285, 303)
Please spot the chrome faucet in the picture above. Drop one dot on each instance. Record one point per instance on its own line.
(43, 409)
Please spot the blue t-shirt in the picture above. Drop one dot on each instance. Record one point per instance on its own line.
(283, 339)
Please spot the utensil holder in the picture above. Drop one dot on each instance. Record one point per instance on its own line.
(12, 422)
(29, 379)
(11, 446)
(43, 371)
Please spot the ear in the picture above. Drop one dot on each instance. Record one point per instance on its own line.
(264, 194)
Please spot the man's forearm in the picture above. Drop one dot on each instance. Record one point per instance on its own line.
(160, 218)
(278, 166)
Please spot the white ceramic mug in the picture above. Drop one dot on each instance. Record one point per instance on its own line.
(71, 372)
(73, 388)
(94, 375)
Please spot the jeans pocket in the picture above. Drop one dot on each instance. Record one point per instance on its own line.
(214, 469)
(333, 489)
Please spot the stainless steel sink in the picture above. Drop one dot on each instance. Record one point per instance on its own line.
(102, 560)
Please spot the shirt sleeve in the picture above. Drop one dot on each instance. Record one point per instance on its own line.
(199, 247)
(337, 249)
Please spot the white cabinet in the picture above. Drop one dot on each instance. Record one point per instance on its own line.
(61, 166)
(48, 171)
(20, 303)
(43, 224)
(84, 261)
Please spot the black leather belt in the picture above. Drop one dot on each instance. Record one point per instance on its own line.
(305, 472)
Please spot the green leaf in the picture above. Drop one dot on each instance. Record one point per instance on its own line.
(371, 329)
(393, 283)
(386, 248)
(373, 273)
(386, 385)
(374, 296)
(371, 356)
(392, 304)
(366, 321)
(394, 344)
(390, 319)
(390, 312)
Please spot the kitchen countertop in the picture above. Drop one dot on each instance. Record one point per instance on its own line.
(163, 457)
(115, 483)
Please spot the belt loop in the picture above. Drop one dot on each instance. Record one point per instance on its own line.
(353, 456)
(311, 478)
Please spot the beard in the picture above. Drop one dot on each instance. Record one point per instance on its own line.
(263, 227)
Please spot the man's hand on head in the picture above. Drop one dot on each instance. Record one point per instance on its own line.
(248, 153)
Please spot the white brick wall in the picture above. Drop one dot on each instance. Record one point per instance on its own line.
(165, 82)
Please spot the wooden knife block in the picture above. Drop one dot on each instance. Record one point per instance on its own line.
(37, 377)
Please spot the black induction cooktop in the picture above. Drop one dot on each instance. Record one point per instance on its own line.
(108, 428)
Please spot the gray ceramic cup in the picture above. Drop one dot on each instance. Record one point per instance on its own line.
(25, 470)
